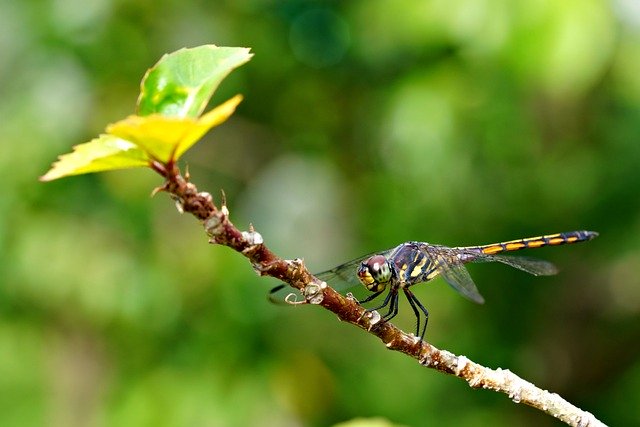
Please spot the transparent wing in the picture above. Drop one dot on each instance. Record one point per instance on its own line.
(340, 278)
(457, 276)
(345, 276)
(534, 266)
(451, 268)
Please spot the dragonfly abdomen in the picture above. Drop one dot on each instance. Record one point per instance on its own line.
(538, 242)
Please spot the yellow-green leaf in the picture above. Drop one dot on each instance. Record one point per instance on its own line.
(107, 152)
(166, 138)
(182, 82)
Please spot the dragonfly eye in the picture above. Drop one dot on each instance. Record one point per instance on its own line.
(375, 273)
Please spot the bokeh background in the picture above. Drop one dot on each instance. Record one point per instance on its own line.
(365, 124)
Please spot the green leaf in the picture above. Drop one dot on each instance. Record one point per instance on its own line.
(182, 82)
(165, 138)
(107, 152)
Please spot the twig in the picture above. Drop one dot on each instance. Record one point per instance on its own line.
(250, 244)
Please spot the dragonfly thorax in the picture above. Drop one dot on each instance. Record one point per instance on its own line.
(375, 273)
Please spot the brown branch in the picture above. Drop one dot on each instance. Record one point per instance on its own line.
(249, 243)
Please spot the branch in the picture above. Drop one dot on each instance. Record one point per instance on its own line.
(249, 243)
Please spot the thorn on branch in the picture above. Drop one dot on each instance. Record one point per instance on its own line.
(161, 188)
(223, 199)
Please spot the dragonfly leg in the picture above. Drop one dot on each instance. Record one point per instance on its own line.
(393, 307)
(374, 296)
(417, 305)
(390, 300)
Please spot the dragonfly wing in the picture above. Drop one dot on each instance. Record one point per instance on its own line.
(339, 278)
(457, 276)
(342, 277)
(534, 266)
(345, 276)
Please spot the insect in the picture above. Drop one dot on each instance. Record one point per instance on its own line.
(412, 263)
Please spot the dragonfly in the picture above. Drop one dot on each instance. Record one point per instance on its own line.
(411, 263)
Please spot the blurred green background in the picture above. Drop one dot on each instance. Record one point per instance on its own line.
(365, 124)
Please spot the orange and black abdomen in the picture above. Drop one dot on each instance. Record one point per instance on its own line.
(538, 242)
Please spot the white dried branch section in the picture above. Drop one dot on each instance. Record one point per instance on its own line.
(518, 390)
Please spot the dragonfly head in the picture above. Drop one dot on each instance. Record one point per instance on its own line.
(375, 273)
